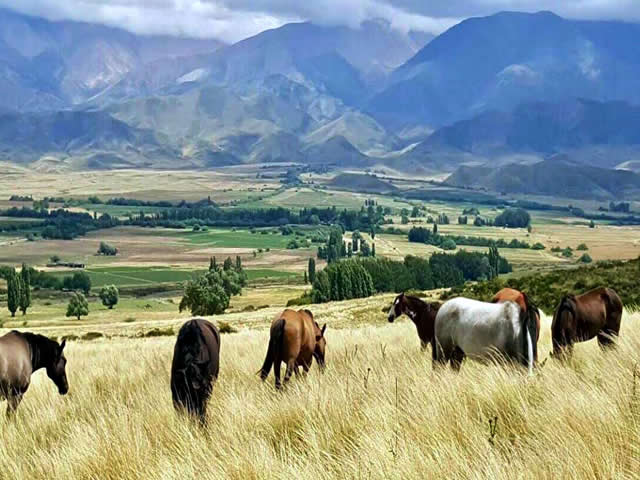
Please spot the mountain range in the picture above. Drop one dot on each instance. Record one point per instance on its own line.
(498, 90)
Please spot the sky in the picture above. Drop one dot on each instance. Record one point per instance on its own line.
(233, 20)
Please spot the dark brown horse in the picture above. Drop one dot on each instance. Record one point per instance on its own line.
(21, 354)
(422, 314)
(195, 367)
(296, 339)
(525, 303)
(579, 318)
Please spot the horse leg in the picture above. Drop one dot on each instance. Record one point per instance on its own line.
(276, 372)
(439, 356)
(13, 400)
(291, 366)
(607, 338)
(457, 356)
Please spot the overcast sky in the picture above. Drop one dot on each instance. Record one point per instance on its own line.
(233, 20)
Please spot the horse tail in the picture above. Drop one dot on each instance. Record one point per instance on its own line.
(557, 328)
(275, 342)
(614, 309)
(528, 342)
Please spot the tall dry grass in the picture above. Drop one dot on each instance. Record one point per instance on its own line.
(569, 421)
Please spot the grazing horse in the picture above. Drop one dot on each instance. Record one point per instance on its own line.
(23, 353)
(422, 314)
(579, 318)
(195, 367)
(479, 330)
(524, 302)
(296, 339)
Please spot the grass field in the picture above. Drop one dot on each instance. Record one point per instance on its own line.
(378, 412)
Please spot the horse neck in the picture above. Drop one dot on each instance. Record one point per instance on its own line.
(417, 310)
(40, 350)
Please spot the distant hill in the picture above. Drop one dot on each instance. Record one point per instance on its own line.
(361, 183)
(556, 176)
(500, 61)
(603, 134)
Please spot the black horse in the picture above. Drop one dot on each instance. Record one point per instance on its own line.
(21, 354)
(422, 314)
(196, 362)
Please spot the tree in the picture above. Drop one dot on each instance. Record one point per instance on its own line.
(78, 306)
(106, 249)
(312, 270)
(365, 250)
(582, 247)
(79, 281)
(25, 289)
(415, 212)
(435, 228)
(373, 250)
(404, 220)
(238, 263)
(13, 292)
(513, 218)
(210, 293)
(54, 259)
(109, 296)
(228, 264)
(592, 224)
(306, 280)
(213, 266)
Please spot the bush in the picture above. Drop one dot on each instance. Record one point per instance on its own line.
(537, 246)
(582, 247)
(448, 244)
(586, 258)
(224, 327)
(106, 249)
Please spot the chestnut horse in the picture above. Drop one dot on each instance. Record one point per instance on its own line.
(296, 339)
(422, 314)
(579, 318)
(21, 354)
(524, 302)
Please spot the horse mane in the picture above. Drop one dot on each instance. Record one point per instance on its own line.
(568, 303)
(41, 346)
(307, 311)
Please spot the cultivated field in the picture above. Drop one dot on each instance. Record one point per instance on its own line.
(378, 411)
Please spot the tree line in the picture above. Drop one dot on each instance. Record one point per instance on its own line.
(363, 277)
(432, 237)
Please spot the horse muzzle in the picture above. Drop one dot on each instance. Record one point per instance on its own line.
(391, 318)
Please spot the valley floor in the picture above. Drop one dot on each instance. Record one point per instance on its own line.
(378, 411)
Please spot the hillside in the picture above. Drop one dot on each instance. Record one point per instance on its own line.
(556, 176)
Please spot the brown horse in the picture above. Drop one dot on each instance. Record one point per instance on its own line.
(524, 302)
(21, 354)
(296, 339)
(422, 314)
(195, 367)
(579, 318)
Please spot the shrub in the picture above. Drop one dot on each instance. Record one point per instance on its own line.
(109, 296)
(582, 247)
(585, 258)
(448, 244)
(78, 306)
(224, 327)
(537, 246)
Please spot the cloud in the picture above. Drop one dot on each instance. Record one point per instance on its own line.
(232, 20)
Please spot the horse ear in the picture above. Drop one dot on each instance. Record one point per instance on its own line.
(63, 344)
(324, 327)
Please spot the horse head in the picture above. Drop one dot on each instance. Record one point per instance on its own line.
(56, 367)
(321, 345)
(397, 307)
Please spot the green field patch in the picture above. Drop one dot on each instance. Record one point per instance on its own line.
(141, 276)
(228, 238)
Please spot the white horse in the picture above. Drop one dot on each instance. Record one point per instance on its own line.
(480, 330)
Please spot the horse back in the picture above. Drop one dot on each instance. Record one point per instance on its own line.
(511, 295)
(198, 341)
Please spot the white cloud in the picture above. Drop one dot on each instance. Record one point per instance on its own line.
(232, 20)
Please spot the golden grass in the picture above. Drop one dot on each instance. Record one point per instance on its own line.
(573, 421)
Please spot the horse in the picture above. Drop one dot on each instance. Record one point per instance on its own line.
(195, 367)
(524, 302)
(22, 354)
(579, 318)
(296, 339)
(422, 314)
(466, 327)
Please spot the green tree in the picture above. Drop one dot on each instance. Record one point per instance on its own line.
(210, 293)
(25, 289)
(586, 258)
(228, 264)
(306, 279)
(592, 224)
(448, 244)
(79, 281)
(106, 249)
(13, 292)
(312, 270)
(109, 295)
(415, 212)
(213, 265)
(78, 306)
(435, 228)
(365, 250)
(373, 249)
(321, 291)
